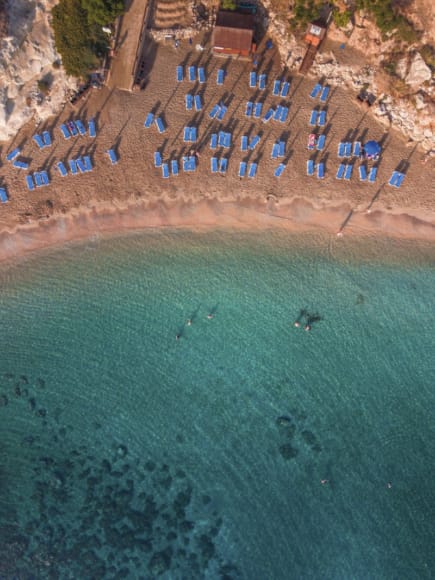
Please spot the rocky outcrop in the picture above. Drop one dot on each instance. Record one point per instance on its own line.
(414, 71)
(28, 55)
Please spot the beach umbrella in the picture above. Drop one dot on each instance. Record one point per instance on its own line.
(372, 149)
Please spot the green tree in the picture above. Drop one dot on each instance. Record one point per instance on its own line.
(103, 12)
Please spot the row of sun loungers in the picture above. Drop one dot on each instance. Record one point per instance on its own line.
(249, 144)
(318, 118)
(219, 165)
(279, 114)
(254, 78)
(280, 88)
(245, 168)
(396, 179)
(189, 135)
(74, 128)
(43, 140)
(345, 149)
(218, 112)
(311, 167)
(322, 91)
(345, 170)
(253, 109)
(3, 195)
(193, 74)
(278, 150)
(39, 178)
(193, 100)
(189, 163)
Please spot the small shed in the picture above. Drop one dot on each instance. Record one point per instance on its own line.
(315, 33)
(233, 33)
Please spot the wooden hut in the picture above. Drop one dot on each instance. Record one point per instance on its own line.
(233, 34)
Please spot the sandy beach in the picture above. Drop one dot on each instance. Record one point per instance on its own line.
(132, 194)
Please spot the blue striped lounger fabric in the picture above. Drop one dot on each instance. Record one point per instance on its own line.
(267, 117)
(357, 148)
(39, 141)
(186, 134)
(62, 169)
(198, 104)
(285, 89)
(113, 156)
(313, 117)
(220, 76)
(186, 163)
(249, 108)
(275, 151)
(362, 173)
(149, 120)
(276, 88)
(192, 163)
(262, 80)
(399, 180)
(348, 172)
(254, 142)
(81, 128)
(180, 74)
(87, 162)
(252, 80)
(157, 159)
(227, 140)
(393, 178)
(221, 138)
(321, 142)
(214, 164)
(189, 102)
(277, 113)
(341, 149)
(47, 138)
(221, 114)
(223, 164)
(283, 115)
(165, 170)
(73, 166)
(281, 145)
(242, 168)
(324, 95)
(160, 125)
(192, 74)
(30, 183)
(20, 164)
(252, 170)
(201, 75)
(11, 156)
(279, 170)
(174, 167)
(38, 179)
(320, 170)
(340, 171)
(91, 128)
(72, 128)
(3, 195)
(321, 119)
(214, 111)
(257, 110)
(244, 143)
(310, 167)
(348, 149)
(316, 90)
(65, 131)
(81, 165)
(372, 174)
(213, 141)
(193, 135)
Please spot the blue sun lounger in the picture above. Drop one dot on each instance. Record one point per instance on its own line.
(201, 75)
(313, 117)
(320, 170)
(242, 168)
(165, 170)
(324, 95)
(62, 169)
(285, 89)
(249, 108)
(214, 164)
(244, 143)
(362, 173)
(80, 165)
(283, 115)
(160, 125)
(149, 121)
(91, 128)
(73, 166)
(198, 104)
(227, 140)
(189, 102)
(72, 128)
(267, 117)
(157, 159)
(348, 149)
(193, 134)
(277, 113)
(174, 167)
(372, 174)
(310, 167)
(39, 141)
(223, 164)
(320, 142)
(112, 156)
(214, 111)
(279, 170)
(20, 164)
(316, 90)
(81, 128)
(186, 134)
(39, 182)
(222, 111)
(341, 149)
(87, 163)
(254, 142)
(220, 77)
(252, 170)
(3, 195)
(46, 138)
(281, 145)
(275, 151)
(221, 138)
(276, 88)
(257, 110)
(192, 74)
(340, 171)
(357, 148)
(11, 156)
(192, 163)
(348, 172)
(399, 180)
(180, 73)
(186, 164)
(394, 177)
(262, 80)
(252, 80)
(213, 141)
(30, 183)
(65, 131)
(321, 119)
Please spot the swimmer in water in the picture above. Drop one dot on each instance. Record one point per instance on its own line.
(307, 327)
(189, 322)
(323, 481)
(177, 337)
(297, 324)
(210, 316)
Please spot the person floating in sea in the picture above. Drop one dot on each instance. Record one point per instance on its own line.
(177, 336)
(302, 314)
(210, 315)
(189, 322)
(324, 481)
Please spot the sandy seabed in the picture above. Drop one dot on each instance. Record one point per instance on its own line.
(133, 195)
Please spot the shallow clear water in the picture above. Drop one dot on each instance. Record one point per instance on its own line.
(127, 453)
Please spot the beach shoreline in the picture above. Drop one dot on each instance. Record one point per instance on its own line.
(296, 215)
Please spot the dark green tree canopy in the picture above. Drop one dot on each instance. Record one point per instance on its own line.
(103, 11)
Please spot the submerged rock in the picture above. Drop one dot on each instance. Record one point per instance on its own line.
(288, 451)
(3, 401)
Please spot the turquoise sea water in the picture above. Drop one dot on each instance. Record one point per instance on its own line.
(127, 453)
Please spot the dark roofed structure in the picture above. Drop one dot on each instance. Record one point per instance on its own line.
(233, 33)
